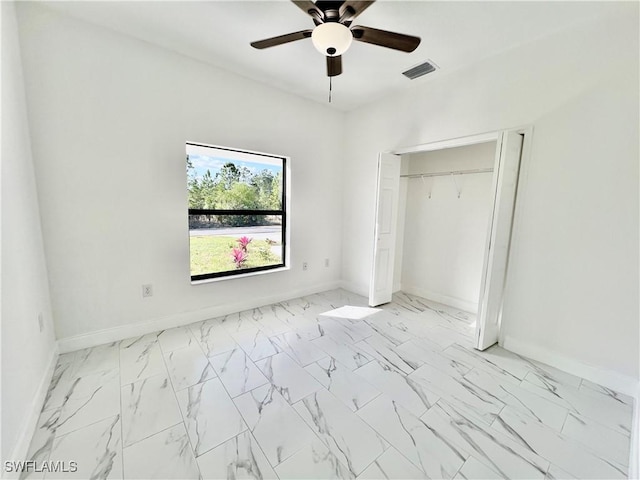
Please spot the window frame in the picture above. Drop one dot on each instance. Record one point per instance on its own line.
(228, 274)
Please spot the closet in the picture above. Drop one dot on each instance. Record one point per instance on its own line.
(444, 216)
(444, 208)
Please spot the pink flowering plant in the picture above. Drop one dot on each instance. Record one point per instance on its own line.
(244, 242)
(239, 257)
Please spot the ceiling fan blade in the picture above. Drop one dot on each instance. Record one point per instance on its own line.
(334, 66)
(350, 9)
(274, 41)
(310, 9)
(383, 38)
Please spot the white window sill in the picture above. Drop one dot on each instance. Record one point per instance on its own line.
(242, 275)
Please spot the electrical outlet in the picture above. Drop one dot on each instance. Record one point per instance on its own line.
(326, 262)
(305, 266)
(41, 322)
(147, 290)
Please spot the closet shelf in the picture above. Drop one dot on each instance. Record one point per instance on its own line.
(454, 172)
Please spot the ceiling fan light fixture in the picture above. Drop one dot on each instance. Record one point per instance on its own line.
(331, 38)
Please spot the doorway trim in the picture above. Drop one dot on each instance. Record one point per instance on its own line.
(452, 142)
(527, 132)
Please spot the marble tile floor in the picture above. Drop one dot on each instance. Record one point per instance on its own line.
(323, 387)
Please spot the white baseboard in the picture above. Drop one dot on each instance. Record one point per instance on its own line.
(355, 288)
(30, 424)
(115, 334)
(600, 375)
(454, 302)
(445, 300)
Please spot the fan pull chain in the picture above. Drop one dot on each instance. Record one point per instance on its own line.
(330, 78)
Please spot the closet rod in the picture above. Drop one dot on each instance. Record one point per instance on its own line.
(455, 172)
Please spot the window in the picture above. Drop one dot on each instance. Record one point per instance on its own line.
(237, 216)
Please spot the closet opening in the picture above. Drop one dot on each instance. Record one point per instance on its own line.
(444, 208)
(444, 215)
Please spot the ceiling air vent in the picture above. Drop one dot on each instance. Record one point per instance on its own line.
(420, 70)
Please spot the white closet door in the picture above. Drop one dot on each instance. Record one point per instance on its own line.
(381, 284)
(498, 237)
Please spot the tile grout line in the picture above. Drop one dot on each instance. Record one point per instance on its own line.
(461, 466)
(318, 436)
(572, 408)
(302, 399)
(393, 446)
(492, 431)
(175, 396)
(273, 467)
(566, 417)
(248, 430)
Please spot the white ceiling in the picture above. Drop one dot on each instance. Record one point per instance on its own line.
(454, 34)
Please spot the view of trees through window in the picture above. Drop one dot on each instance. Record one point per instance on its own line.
(236, 214)
(234, 187)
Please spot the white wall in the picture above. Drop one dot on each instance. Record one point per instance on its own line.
(573, 272)
(445, 236)
(109, 119)
(26, 353)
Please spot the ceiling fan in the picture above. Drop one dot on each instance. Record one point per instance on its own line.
(333, 32)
